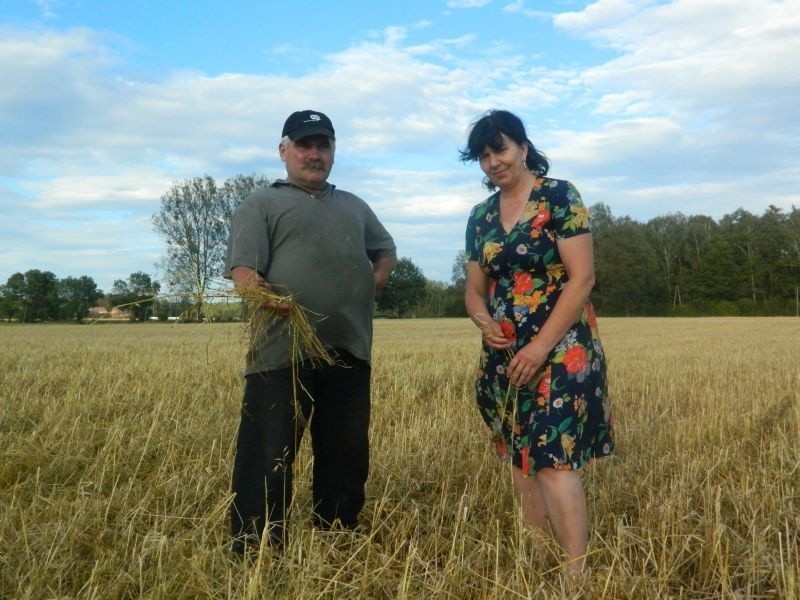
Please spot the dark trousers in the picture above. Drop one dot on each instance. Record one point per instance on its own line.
(336, 399)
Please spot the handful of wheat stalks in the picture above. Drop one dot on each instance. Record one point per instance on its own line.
(264, 306)
(304, 341)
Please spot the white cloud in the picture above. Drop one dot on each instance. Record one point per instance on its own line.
(46, 7)
(519, 7)
(600, 14)
(467, 3)
(132, 189)
(406, 194)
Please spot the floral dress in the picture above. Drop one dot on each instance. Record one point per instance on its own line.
(561, 419)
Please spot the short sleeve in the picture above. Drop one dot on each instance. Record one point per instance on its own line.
(471, 249)
(248, 244)
(377, 240)
(569, 215)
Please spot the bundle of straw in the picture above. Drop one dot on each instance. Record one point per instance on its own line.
(265, 306)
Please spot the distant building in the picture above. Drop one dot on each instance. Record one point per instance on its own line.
(101, 312)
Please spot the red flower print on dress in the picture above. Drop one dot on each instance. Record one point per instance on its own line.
(544, 385)
(575, 359)
(524, 462)
(591, 317)
(541, 218)
(508, 329)
(523, 283)
(501, 448)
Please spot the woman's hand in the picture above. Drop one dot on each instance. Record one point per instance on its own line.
(491, 332)
(526, 363)
(475, 297)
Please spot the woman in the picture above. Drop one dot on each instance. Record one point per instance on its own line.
(541, 382)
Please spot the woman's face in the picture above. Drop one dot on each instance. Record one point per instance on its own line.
(505, 166)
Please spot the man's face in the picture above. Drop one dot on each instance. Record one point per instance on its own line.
(308, 161)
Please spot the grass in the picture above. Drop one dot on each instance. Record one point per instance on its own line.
(117, 441)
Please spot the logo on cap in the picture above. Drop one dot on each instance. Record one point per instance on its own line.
(314, 117)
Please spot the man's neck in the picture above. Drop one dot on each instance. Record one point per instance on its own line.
(313, 191)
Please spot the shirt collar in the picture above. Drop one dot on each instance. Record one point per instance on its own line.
(282, 182)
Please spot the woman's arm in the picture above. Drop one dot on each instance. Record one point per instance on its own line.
(577, 255)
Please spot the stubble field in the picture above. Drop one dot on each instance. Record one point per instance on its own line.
(117, 440)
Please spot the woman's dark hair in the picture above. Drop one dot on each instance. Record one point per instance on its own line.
(487, 131)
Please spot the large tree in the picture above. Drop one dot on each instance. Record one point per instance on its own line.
(718, 276)
(459, 271)
(669, 236)
(405, 289)
(740, 229)
(194, 220)
(12, 297)
(777, 277)
(77, 295)
(136, 295)
(627, 270)
(41, 296)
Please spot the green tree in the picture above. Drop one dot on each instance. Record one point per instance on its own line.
(41, 296)
(716, 275)
(740, 229)
(432, 302)
(239, 187)
(454, 294)
(405, 289)
(701, 231)
(791, 260)
(775, 258)
(12, 297)
(194, 220)
(627, 270)
(669, 235)
(136, 295)
(77, 295)
(459, 272)
(601, 218)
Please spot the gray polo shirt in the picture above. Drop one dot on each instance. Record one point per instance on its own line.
(319, 249)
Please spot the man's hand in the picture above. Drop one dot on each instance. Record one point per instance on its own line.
(249, 283)
(382, 268)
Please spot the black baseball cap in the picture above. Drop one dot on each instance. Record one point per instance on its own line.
(304, 123)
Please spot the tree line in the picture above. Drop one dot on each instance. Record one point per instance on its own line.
(41, 296)
(743, 264)
(672, 265)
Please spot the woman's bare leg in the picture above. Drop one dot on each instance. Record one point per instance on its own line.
(531, 500)
(565, 503)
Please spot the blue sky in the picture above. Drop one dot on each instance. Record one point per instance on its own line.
(651, 107)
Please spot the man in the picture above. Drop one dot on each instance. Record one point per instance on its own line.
(326, 248)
